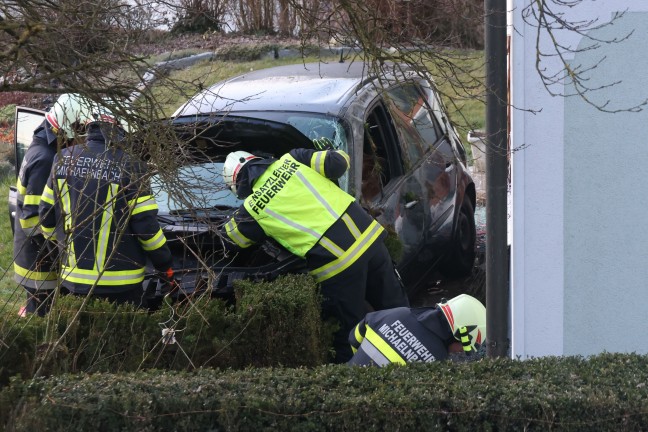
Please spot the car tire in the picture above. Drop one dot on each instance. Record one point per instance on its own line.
(461, 259)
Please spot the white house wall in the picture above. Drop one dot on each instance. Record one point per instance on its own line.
(580, 246)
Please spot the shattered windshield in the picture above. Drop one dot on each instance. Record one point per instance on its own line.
(195, 187)
(317, 127)
(313, 126)
(200, 186)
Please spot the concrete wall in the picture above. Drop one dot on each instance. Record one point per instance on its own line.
(580, 247)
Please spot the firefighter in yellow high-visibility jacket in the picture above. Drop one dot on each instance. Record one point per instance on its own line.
(294, 201)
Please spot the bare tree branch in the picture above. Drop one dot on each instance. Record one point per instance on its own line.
(571, 79)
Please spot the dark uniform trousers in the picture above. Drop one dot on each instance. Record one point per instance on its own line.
(370, 281)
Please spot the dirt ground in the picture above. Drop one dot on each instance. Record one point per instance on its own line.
(440, 288)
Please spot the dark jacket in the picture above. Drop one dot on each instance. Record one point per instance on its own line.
(34, 266)
(400, 335)
(99, 206)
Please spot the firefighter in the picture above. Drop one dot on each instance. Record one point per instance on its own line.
(295, 201)
(99, 208)
(403, 335)
(34, 263)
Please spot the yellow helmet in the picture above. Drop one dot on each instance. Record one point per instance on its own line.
(467, 318)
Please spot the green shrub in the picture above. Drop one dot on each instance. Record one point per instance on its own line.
(273, 323)
(198, 18)
(602, 393)
(281, 322)
(99, 336)
(393, 244)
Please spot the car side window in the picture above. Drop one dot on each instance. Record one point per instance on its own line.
(413, 104)
(381, 160)
(407, 105)
(374, 167)
(411, 142)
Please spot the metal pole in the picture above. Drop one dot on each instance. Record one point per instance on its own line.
(497, 286)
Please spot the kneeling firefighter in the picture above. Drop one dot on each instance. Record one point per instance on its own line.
(403, 335)
(294, 201)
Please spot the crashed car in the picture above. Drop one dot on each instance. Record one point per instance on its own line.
(408, 165)
(408, 168)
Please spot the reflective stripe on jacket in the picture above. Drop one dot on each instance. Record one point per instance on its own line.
(400, 335)
(295, 205)
(103, 216)
(34, 263)
(362, 229)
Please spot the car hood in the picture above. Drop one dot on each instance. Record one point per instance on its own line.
(242, 131)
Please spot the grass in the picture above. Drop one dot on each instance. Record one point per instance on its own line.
(460, 76)
(180, 85)
(11, 295)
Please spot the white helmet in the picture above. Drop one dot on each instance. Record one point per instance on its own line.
(233, 164)
(73, 111)
(467, 318)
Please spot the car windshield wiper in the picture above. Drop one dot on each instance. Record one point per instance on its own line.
(165, 219)
(202, 210)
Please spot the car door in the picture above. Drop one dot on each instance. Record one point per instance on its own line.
(392, 190)
(26, 121)
(430, 164)
(418, 110)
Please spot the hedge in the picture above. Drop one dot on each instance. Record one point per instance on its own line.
(272, 323)
(602, 393)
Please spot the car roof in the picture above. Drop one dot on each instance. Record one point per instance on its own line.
(312, 87)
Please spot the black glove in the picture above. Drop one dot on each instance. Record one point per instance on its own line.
(167, 280)
(323, 143)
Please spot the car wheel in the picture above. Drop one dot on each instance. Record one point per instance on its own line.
(461, 259)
